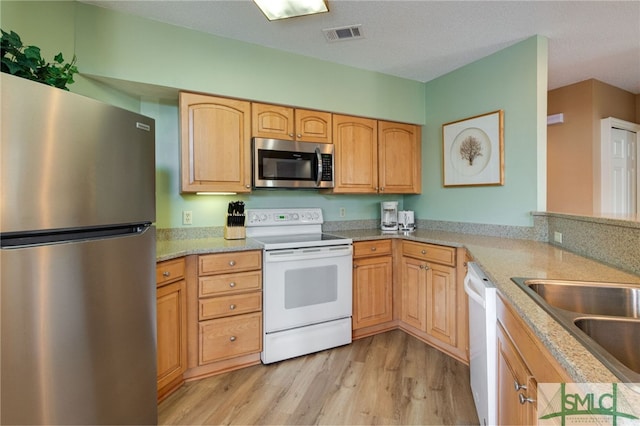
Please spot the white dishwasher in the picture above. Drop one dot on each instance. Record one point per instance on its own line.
(482, 343)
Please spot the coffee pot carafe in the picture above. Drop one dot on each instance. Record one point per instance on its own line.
(389, 215)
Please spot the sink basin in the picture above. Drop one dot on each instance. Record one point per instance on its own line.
(604, 317)
(591, 298)
(619, 337)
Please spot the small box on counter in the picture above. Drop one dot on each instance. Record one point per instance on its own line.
(234, 227)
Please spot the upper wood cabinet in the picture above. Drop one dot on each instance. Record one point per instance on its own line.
(374, 156)
(355, 154)
(281, 122)
(399, 158)
(215, 144)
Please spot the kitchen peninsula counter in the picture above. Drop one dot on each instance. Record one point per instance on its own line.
(501, 259)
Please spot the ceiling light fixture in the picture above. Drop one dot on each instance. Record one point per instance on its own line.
(281, 9)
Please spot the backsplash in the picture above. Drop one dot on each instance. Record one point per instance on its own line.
(611, 241)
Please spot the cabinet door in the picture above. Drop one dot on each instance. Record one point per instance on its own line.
(313, 126)
(512, 373)
(441, 303)
(216, 144)
(356, 154)
(272, 121)
(372, 291)
(413, 309)
(171, 315)
(399, 158)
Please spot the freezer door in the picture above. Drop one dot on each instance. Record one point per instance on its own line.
(78, 332)
(69, 161)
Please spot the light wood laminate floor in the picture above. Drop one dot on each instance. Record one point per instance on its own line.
(390, 378)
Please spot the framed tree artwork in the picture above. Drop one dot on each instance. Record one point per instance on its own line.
(473, 150)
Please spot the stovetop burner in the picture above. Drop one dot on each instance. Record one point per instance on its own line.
(290, 228)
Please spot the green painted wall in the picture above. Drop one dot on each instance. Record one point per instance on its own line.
(514, 80)
(119, 46)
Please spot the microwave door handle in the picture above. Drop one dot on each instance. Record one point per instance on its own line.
(319, 171)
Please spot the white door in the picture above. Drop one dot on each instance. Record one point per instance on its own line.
(619, 179)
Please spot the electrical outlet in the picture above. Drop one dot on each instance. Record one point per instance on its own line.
(343, 212)
(557, 237)
(187, 217)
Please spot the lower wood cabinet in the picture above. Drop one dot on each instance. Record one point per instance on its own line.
(523, 362)
(372, 287)
(225, 312)
(171, 315)
(433, 304)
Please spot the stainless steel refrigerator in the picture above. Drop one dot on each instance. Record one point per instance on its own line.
(78, 260)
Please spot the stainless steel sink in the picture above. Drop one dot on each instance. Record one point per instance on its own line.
(619, 337)
(603, 316)
(592, 298)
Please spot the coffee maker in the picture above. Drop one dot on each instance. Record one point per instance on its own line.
(389, 215)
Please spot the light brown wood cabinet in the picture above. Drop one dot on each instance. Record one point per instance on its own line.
(171, 316)
(287, 123)
(372, 287)
(433, 306)
(523, 362)
(374, 156)
(215, 140)
(227, 322)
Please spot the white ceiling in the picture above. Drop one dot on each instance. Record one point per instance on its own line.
(424, 39)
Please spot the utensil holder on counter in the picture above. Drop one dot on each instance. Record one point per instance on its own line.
(234, 232)
(234, 227)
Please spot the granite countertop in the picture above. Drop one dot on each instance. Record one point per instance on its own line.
(501, 259)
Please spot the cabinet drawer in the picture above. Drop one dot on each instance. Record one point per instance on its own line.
(230, 337)
(225, 263)
(371, 248)
(223, 306)
(169, 271)
(216, 285)
(430, 252)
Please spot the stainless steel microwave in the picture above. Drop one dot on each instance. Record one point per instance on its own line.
(289, 164)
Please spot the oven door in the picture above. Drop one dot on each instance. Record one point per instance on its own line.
(306, 286)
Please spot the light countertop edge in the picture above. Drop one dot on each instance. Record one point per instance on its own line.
(501, 259)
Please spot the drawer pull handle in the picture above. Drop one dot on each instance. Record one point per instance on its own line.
(166, 274)
(232, 338)
(518, 386)
(232, 284)
(423, 252)
(232, 263)
(523, 399)
(373, 249)
(232, 307)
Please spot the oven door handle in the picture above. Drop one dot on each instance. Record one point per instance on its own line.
(307, 254)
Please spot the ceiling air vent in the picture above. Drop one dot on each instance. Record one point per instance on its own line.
(343, 33)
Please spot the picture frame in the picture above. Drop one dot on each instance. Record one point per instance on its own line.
(473, 151)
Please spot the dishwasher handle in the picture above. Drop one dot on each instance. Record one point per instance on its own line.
(473, 294)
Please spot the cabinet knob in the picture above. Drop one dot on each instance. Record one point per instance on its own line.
(232, 263)
(166, 274)
(232, 338)
(232, 307)
(299, 136)
(523, 399)
(423, 252)
(247, 186)
(355, 266)
(373, 249)
(518, 386)
(232, 284)
(382, 189)
(290, 135)
(425, 267)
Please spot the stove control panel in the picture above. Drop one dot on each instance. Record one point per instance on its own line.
(283, 217)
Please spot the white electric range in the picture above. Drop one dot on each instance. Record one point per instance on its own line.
(307, 289)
